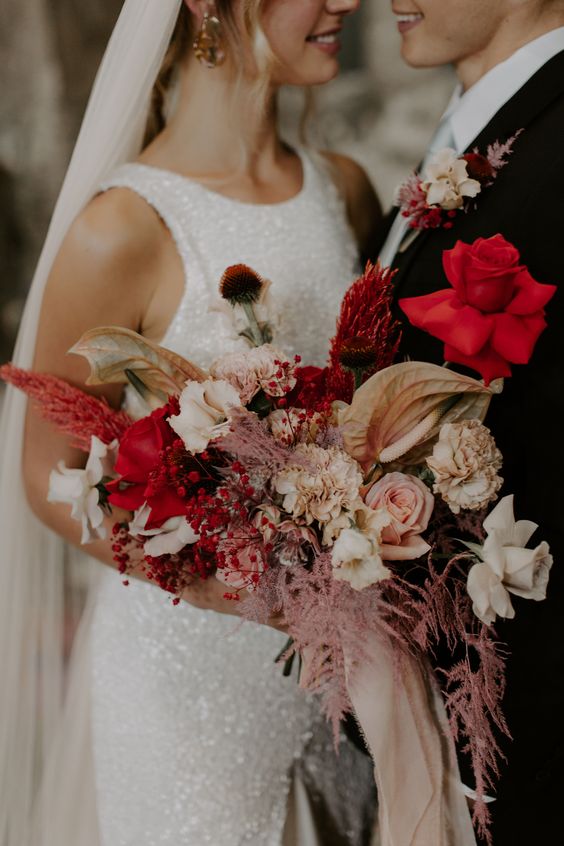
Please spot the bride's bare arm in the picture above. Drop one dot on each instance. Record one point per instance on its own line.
(107, 273)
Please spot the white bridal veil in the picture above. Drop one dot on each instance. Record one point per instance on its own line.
(32, 557)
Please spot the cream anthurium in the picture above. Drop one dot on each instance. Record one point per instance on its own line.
(507, 565)
(77, 487)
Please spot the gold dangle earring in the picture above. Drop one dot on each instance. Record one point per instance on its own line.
(208, 46)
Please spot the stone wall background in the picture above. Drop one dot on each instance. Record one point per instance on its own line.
(378, 111)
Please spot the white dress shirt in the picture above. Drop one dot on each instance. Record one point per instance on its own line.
(468, 113)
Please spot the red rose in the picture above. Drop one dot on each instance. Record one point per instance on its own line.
(138, 456)
(478, 167)
(494, 313)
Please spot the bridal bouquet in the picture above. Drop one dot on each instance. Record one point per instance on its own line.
(354, 499)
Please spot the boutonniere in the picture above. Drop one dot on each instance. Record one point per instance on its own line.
(449, 184)
(492, 315)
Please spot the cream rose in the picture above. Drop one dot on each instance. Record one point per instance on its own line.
(410, 504)
(465, 462)
(506, 565)
(325, 483)
(204, 411)
(446, 181)
(356, 559)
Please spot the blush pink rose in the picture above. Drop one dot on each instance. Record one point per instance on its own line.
(410, 504)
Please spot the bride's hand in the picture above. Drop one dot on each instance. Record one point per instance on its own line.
(209, 595)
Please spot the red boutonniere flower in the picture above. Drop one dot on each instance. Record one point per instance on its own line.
(492, 316)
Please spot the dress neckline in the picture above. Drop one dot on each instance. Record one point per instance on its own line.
(215, 195)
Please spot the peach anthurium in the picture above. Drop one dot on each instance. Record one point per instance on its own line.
(398, 412)
(118, 355)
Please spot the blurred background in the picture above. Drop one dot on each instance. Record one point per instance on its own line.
(378, 110)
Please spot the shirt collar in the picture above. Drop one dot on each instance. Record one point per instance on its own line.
(470, 112)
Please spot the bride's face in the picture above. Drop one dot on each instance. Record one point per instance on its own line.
(304, 36)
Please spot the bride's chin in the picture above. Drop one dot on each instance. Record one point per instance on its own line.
(325, 71)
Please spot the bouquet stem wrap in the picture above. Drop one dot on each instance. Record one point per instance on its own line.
(401, 713)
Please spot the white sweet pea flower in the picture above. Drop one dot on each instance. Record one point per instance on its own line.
(446, 181)
(204, 412)
(507, 566)
(356, 559)
(77, 487)
(168, 539)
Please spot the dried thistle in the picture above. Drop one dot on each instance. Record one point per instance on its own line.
(241, 285)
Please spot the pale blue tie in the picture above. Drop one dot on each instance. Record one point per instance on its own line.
(442, 138)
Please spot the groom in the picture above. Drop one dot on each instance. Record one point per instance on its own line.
(509, 59)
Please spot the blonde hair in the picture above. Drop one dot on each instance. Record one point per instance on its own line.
(252, 93)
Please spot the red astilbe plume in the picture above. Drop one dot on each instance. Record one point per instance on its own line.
(366, 313)
(72, 411)
(473, 687)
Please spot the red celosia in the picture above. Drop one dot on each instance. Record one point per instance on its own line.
(365, 313)
(72, 411)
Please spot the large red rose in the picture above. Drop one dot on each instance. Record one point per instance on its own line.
(492, 316)
(139, 455)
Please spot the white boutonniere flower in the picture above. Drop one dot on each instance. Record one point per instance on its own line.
(446, 181)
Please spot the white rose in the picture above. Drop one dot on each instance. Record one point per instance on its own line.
(446, 181)
(512, 567)
(76, 487)
(204, 411)
(356, 559)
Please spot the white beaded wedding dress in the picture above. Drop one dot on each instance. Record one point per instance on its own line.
(197, 737)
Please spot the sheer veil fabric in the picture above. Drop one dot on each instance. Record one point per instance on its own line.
(32, 557)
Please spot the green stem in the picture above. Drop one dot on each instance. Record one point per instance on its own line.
(255, 329)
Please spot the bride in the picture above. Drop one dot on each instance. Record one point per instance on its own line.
(177, 727)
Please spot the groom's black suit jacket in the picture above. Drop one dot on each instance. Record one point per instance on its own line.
(525, 205)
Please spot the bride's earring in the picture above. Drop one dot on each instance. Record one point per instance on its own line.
(208, 45)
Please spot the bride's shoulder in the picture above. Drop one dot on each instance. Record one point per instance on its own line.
(116, 237)
(117, 224)
(363, 205)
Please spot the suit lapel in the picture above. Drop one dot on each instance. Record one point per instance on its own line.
(518, 113)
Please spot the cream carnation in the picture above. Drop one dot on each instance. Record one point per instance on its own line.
(446, 181)
(465, 462)
(324, 483)
(259, 368)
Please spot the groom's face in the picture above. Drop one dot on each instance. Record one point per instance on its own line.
(440, 32)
